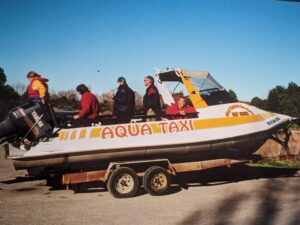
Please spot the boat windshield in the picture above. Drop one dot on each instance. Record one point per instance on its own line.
(209, 89)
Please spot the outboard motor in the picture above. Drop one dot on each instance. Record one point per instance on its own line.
(28, 120)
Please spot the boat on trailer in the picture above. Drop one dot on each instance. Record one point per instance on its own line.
(221, 128)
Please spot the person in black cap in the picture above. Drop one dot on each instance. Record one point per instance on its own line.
(124, 101)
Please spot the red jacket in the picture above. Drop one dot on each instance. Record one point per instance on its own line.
(35, 95)
(89, 106)
(174, 110)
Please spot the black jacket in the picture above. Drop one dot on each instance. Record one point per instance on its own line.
(152, 100)
(124, 101)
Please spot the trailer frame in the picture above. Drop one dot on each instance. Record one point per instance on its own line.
(142, 167)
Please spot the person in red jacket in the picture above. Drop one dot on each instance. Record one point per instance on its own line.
(180, 110)
(89, 105)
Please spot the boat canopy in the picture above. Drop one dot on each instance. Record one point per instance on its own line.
(202, 89)
(202, 80)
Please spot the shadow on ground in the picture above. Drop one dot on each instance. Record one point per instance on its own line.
(216, 176)
(269, 194)
(235, 173)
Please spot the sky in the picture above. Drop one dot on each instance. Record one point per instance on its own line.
(249, 46)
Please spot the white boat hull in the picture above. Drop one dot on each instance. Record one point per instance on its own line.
(177, 140)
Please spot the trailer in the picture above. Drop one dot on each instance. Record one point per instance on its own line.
(123, 179)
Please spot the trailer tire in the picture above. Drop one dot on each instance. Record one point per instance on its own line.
(54, 180)
(156, 180)
(123, 183)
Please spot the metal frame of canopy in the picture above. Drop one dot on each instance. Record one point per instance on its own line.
(194, 82)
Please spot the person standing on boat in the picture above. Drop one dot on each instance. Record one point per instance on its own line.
(89, 106)
(151, 99)
(38, 93)
(37, 88)
(124, 101)
(180, 110)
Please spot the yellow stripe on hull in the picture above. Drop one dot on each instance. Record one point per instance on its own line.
(159, 127)
(227, 121)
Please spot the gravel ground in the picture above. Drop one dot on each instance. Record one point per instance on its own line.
(236, 195)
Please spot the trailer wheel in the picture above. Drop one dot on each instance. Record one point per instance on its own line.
(54, 180)
(123, 183)
(156, 180)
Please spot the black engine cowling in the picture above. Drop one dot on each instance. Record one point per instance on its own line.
(28, 120)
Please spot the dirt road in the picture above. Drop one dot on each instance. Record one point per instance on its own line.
(236, 195)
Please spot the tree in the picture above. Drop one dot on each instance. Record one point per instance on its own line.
(20, 88)
(67, 100)
(291, 101)
(232, 94)
(2, 77)
(9, 97)
(275, 99)
(138, 102)
(258, 102)
(281, 100)
(106, 106)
